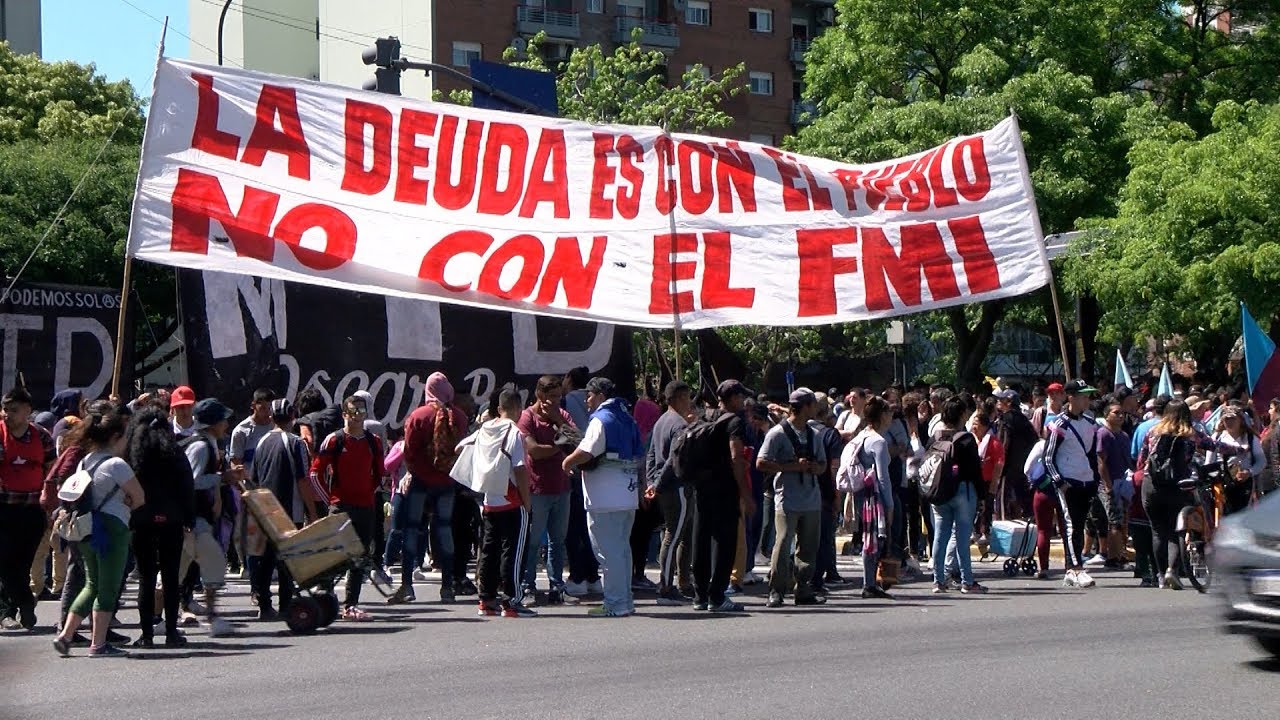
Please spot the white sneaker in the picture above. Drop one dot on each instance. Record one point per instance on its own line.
(1095, 561)
(419, 576)
(596, 587)
(1083, 580)
(576, 588)
(1070, 580)
(220, 627)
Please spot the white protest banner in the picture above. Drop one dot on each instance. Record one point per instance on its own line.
(277, 177)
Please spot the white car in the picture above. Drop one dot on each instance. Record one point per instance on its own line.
(1245, 557)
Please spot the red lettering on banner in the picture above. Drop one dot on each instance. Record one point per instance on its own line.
(339, 235)
(914, 186)
(602, 176)
(568, 270)
(515, 141)
(551, 154)
(198, 199)
(665, 200)
(794, 197)
(206, 136)
(871, 183)
(462, 242)
(411, 156)
(884, 184)
(735, 171)
(630, 158)
(980, 269)
(288, 140)
(695, 201)
(530, 252)
(718, 255)
(921, 251)
(943, 196)
(448, 195)
(976, 186)
(663, 298)
(356, 177)
(849, 182)
(819, 267)
(821, 196)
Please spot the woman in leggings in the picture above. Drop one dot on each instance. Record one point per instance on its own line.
(165, 477)
(115, 492)
(1176, 438)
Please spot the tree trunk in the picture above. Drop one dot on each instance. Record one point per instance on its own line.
(973, 343)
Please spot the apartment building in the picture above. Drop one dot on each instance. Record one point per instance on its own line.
(769, 36)
(322, 39)
(20, 25)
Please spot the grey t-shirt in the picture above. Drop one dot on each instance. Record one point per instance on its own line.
(111, 472)
(244, 441)
(793, 492)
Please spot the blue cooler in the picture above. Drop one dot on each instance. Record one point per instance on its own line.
(1012, 539)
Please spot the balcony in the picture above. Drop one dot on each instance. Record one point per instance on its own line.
(799, 46)
(655, 32)
(555, 23)
(802, 112)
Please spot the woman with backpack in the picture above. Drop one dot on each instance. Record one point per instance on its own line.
(867, 455)
(151, 449)
(1248, 467)
(953, 516)
(1167, 458)
(114, 492)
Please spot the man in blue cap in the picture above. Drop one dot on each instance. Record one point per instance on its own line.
(209, 471)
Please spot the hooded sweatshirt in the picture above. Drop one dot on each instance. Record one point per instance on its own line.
(499, 450)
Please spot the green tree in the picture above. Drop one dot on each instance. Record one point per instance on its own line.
(1197, 231)
(64, 100)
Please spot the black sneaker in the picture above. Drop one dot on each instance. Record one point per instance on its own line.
(403, 594)
(447, 595)
(145, 642)
(107, 651)
(266, 614)
(812, 600)
(729, 606)
(517, 610)
(876, 593)
(554, 597)
(465, 587)
(79, 640)
(62, 646)
(700, 605)
(836, 579)
(27, 617)
(687, 592)
(175, 640)
(774, 601)
(116, 638)
(670, 597)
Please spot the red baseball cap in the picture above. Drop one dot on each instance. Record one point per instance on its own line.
(182, 395)
(1053, 388)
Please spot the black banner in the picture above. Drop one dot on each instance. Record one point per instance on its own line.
(59, 337)
(244, 332)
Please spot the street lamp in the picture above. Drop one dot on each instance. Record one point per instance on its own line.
(222, 19)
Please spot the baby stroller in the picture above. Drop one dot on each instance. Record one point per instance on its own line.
(1015, 541)
(317, 555)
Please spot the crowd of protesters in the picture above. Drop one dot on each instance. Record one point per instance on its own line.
(579, 481)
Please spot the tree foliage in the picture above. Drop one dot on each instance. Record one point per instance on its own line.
(1197, 230)
(64, 100)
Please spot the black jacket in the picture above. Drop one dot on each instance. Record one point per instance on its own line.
(168, 488)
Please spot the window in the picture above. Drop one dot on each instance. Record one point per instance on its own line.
(760, 20)
(465, 52)
(698, 12)
(702, 70)
(595, 7)
(762, 139)
(761, 83)
(631, 8)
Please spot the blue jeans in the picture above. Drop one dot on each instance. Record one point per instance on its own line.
(550, 516)
(954, 517)
(611, 537)
(407, 513)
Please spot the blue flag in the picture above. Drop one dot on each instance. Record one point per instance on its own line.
(1166, 382)
(1261, 363)
(1123, 379)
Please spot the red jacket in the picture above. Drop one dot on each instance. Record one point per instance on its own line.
(419, 443)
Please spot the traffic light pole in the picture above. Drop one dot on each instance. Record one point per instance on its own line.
(504, 96)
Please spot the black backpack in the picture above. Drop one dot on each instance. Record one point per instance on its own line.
(939, 476)
(1167, 462)
(693, 451)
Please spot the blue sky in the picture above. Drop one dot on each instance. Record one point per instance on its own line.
(118, 38)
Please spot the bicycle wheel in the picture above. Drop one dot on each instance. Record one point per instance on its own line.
(1195, 565)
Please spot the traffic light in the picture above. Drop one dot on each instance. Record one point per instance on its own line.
(386, 55)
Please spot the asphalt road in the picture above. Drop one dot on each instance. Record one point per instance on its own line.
(1030, 649)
